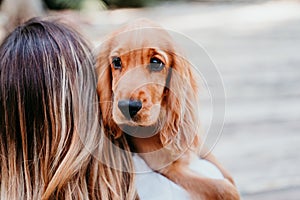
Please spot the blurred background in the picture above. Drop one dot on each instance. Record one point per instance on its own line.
(256, 46)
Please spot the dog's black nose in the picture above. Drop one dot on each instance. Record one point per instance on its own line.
(129, 108)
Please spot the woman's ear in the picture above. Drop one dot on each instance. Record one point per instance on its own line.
(104, 89)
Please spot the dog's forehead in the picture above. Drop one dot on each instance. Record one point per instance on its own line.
(135, 38)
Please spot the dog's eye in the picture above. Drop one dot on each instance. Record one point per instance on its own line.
(117, 63)
(156, 65)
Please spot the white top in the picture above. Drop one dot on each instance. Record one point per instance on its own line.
(153, 186)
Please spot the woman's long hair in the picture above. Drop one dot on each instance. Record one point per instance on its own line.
(50, 134)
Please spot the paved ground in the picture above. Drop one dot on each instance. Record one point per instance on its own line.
(256, 47)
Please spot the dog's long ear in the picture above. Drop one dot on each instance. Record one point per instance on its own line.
(181, 104)
(104, 89)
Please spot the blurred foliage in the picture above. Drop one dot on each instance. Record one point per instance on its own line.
(129, 3)
(63, 4)
(77, 4)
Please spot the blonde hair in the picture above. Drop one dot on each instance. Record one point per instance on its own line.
(50, 133)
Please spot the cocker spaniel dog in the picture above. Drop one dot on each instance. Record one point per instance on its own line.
(149, 90)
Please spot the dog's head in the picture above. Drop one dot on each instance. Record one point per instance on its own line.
(144, 81)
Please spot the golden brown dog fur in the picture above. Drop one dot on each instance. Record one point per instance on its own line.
(169, 105)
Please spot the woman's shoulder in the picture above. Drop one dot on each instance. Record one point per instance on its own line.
(154, 186)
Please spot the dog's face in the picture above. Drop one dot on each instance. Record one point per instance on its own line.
(144, 82)
(139, 65)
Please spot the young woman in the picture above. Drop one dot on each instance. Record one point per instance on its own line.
(51, 143)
